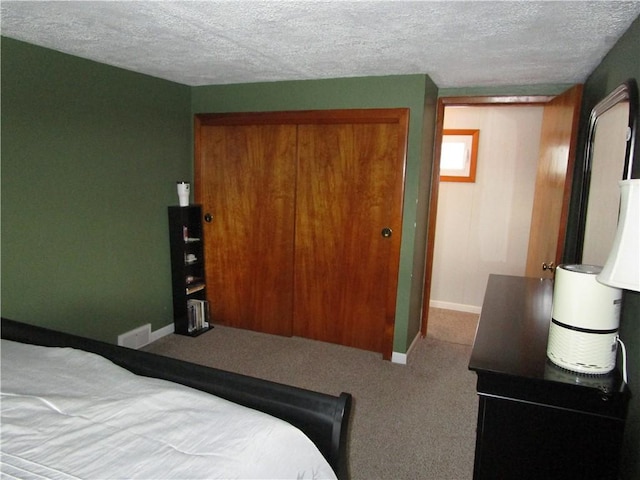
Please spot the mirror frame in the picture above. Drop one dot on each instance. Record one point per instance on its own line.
(627, 91)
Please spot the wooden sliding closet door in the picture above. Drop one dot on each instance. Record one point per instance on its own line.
(349, 190)
(245, 179)
(306, 221)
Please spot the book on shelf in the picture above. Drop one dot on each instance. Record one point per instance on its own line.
(197, 315)
(194, 288)
(186, 237)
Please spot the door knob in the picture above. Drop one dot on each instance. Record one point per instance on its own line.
(208, 217)
(548, 266)
(386, 232)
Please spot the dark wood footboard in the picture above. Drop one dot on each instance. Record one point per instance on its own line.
(323, 418)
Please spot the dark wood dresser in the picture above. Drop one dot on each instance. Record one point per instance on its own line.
(536, 420)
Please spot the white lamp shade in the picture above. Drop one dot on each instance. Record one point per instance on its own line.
(622, 269)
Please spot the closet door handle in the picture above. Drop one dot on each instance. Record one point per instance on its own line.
(208, 217)
(386, 232)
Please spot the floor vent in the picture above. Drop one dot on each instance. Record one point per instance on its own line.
(136, 338)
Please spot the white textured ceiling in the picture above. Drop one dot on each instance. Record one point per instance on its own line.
(457, 43)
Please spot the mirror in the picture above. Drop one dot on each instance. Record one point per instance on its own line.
(608, 159)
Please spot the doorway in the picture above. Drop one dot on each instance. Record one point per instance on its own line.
(500, 228)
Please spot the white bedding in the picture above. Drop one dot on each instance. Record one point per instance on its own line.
(70, 414)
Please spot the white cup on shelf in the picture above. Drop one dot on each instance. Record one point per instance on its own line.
(184, 188)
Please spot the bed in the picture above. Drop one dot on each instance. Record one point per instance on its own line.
(131, 414)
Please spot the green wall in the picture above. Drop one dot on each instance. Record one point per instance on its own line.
(90, 156)
(422, 208)
(620, 64)
(410, 91)
(543, 89)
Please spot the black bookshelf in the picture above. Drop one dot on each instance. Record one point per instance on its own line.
(188, 281)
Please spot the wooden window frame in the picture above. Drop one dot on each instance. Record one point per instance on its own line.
(473, 155)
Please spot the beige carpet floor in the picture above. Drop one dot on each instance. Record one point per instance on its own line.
(413, 422)
(452, 326)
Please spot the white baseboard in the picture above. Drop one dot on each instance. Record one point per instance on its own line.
(401, 358)
(397, 357)
(161, 332)
(136, 338)
(459, 307)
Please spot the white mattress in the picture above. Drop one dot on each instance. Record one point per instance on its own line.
(70, 414)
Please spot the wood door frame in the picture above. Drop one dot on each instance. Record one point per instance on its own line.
(399, 116)
(479, 101)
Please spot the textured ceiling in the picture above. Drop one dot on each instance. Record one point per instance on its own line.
(457, 43)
